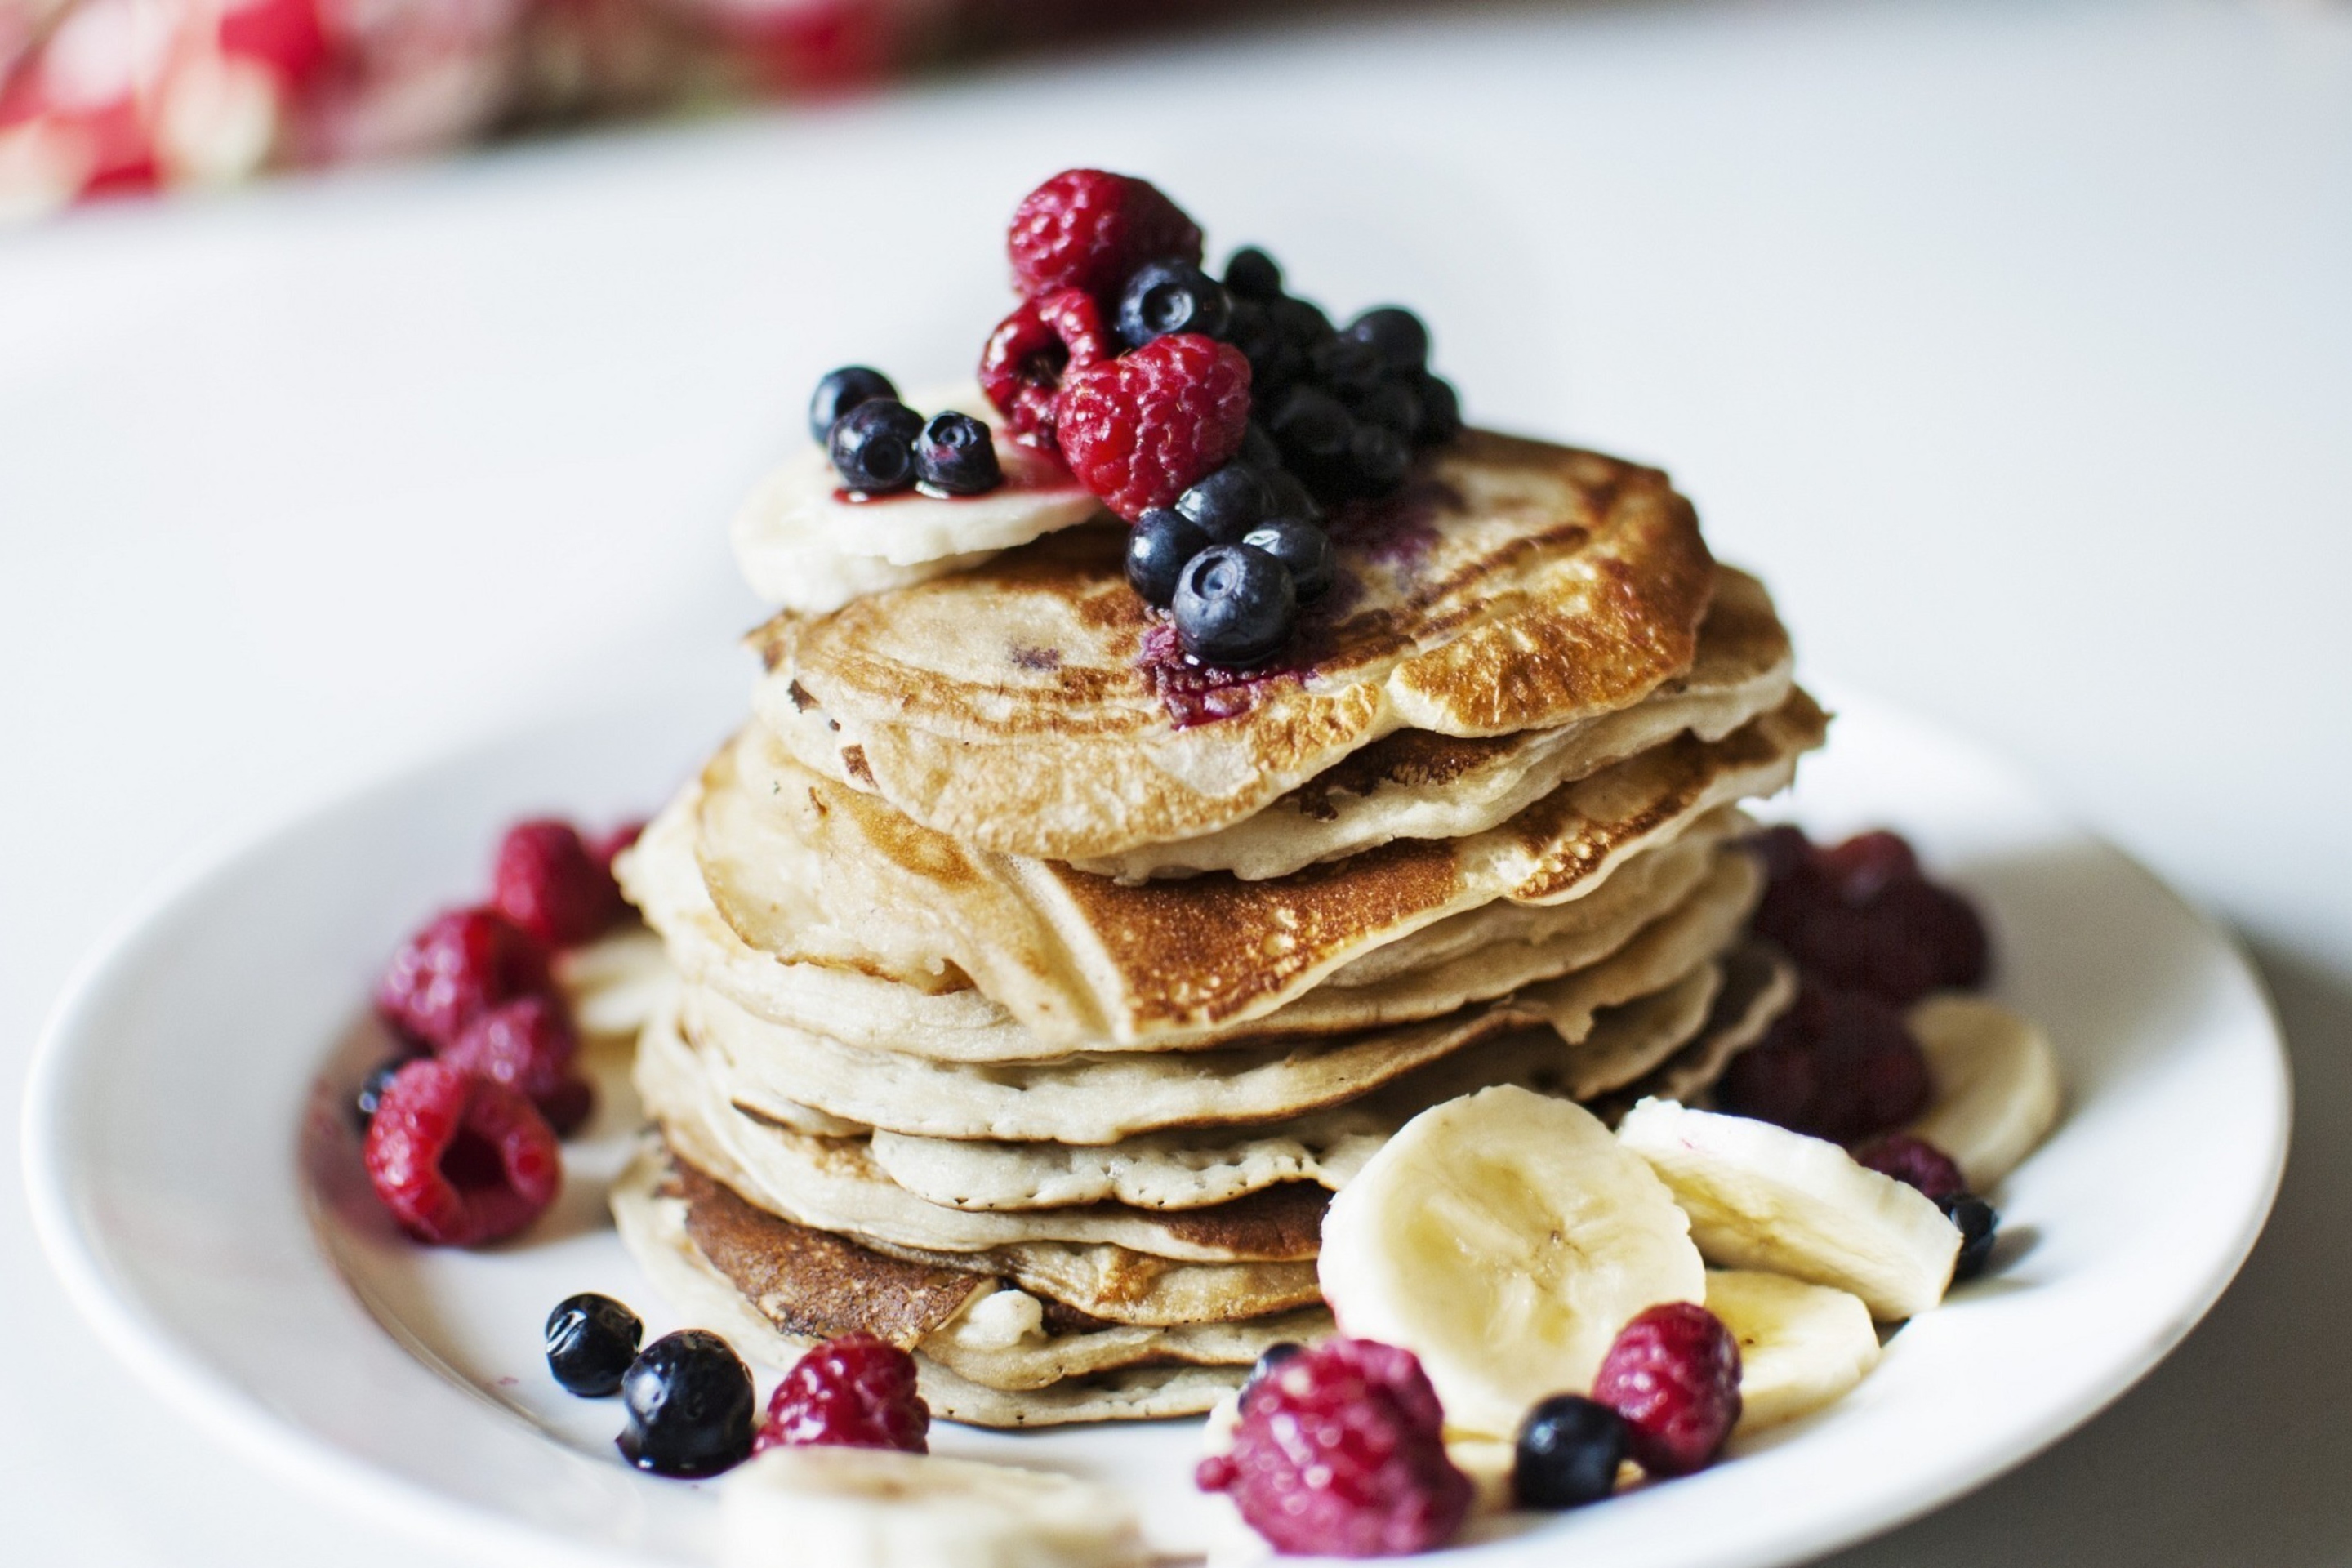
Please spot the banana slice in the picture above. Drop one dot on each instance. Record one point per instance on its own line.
(878, 1508)
(803, 544)
(1760, 1196)
(1997, 1089)
(1801, 1346)
(1504, 1238)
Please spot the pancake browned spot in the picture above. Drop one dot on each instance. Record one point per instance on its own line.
(815, 1284)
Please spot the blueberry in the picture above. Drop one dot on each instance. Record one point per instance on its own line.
(1394, 333)
(1234, 605)
(1346, 366)
(1171, 295)
(689, 1403)
(1258, 449)
(1228, 503)
(1392, 406)
(372, 1087)
(1303, 549)
(1157, 547)
(591, 1340)
(1379, 458)
(1569, 1450)
(1252, 274)
(1300, 321)
(1440, 410)
(841, 390)
(1273, 1356)
(956, 454)
(1291, 497)
(1977, 1220)
(873, 445)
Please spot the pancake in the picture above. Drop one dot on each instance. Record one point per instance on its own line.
(771, 1068)
(1760, 984)
(770, 1308)
(1211, 1165)
(1468, 957)
(1029, 706)
(1080, 959)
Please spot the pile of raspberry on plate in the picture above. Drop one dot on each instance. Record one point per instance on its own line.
(462, 1123)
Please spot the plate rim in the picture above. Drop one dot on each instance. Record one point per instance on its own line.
(214, 1402)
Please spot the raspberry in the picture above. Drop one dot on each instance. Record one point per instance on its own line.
(462, 963)
(1861, 916)
(528, 1045)
(1339, 1451)
(1142, 429)
(458, 1159)
(1916, 1162)
(1087, 229)
(1673, 1375)
(1839, 1065)
(1031, 351)
(856, 1392)
(550, 882)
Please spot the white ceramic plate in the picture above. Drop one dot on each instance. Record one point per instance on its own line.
(195, 1183)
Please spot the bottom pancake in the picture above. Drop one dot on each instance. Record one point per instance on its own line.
(986, 1354)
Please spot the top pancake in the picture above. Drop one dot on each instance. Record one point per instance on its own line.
(1028, 706)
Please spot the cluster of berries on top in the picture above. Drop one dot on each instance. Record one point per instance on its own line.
(879, 446)
(688, 1399)
(462, 1124)
(1219, 418)
(1870, 933)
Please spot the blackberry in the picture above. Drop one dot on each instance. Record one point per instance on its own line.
(1291, 497)
(1392, 406)
(841, 390)
(873, 445)
(1440, 410)
(1345, 365)
(1379, 457)
(1258, 449)
(1301, 322)
(957, 454)
(1172, 296)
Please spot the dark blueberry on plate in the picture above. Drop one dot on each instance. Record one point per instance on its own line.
(1569, 1450)
(1291, 497)
(1392, 406)
(1258, 449)
(1171, 295)
(1157, 547)
(841, 390)
(591, 1340)
(1346, 366)
(1273, 1356)
(1379, 458)
(1977, 1220)
(689, 1404)
(372, 1087)
(957, 454)
(1440, 410)
(873, 445)
(1303, 549)
(1252, 274)
(1394, 333)
(1301, 322)
(1234, 605)
(1228, 503)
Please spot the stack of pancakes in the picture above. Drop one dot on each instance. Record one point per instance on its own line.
(1037, 988)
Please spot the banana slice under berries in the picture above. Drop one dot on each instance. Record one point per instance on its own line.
(1997, 1089)
(879, 1507)
(1760, 1196)
(1504, 1238)
(1801, 1346)
(803, 544)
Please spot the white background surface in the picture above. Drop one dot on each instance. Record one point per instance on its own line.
(2014, 343)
